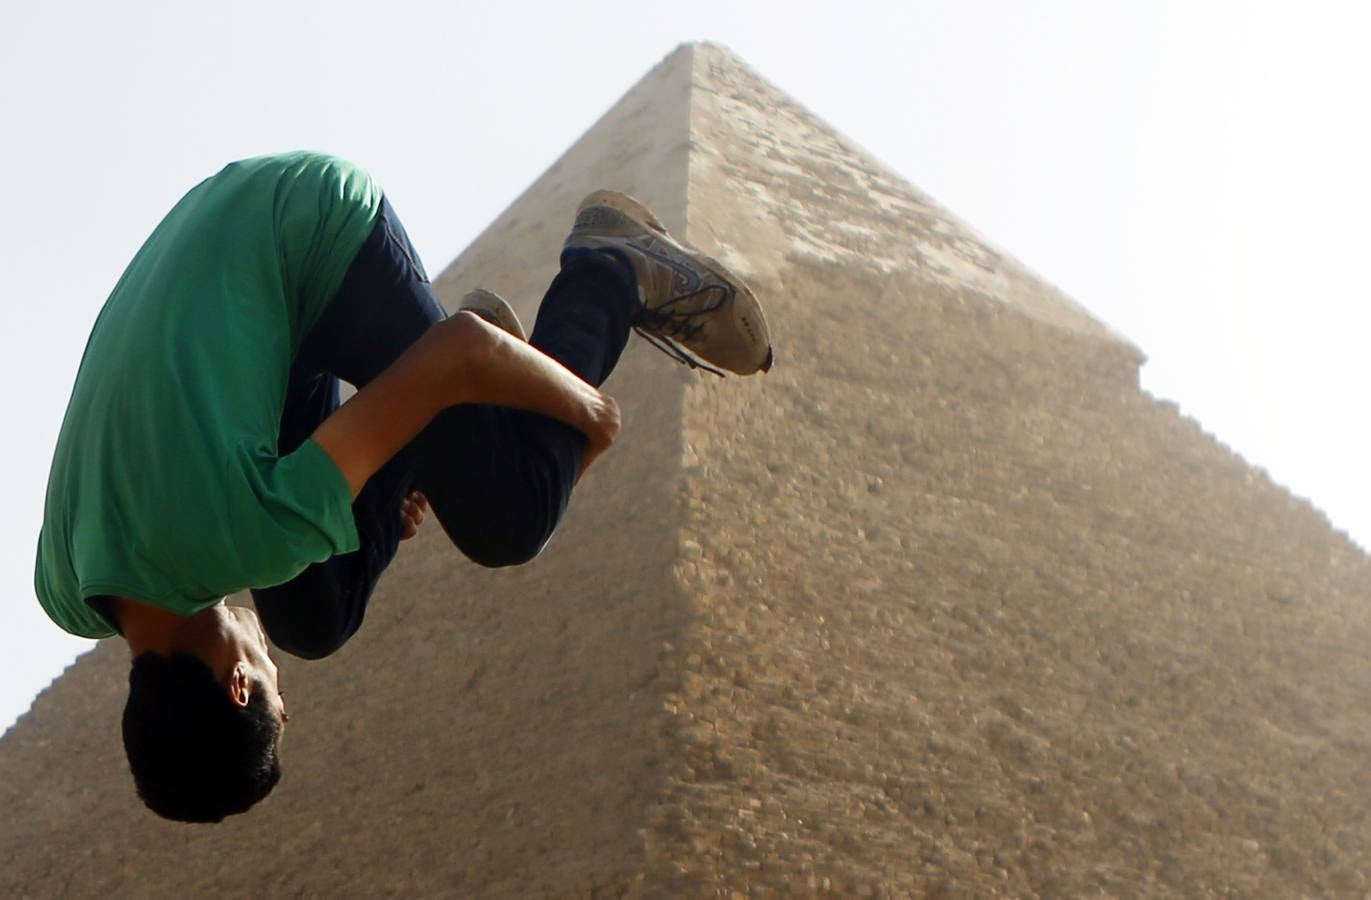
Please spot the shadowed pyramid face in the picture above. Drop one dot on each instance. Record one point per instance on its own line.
(943, 604)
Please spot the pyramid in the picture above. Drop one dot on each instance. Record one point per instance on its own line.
(942, 606)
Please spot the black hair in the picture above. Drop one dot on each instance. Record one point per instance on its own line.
(196, 756)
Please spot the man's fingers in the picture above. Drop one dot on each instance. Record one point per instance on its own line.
(412, 514)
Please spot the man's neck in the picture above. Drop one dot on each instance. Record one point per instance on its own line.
(149, 629)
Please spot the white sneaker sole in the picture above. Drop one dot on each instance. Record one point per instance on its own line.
(493, 308)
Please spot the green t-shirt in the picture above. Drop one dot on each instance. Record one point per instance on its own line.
(166, 484)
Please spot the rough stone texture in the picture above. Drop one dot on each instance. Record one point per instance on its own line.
(943, 606)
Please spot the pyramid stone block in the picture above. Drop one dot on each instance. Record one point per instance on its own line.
(942, 606)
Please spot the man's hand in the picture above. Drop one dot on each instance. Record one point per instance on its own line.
(601, 428)
(412, 510)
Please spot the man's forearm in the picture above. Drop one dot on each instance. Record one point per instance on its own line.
(461, 360)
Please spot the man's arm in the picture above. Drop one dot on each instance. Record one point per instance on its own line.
(459, 360)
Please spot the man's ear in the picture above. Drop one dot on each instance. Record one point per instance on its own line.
(240, 685)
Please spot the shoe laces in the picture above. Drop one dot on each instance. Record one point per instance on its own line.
(672, 326)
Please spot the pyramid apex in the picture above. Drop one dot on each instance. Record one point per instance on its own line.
(701, 44)
(710, 45)
(690, 50)
(772, 183)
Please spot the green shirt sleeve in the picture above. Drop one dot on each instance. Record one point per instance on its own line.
(292, 511)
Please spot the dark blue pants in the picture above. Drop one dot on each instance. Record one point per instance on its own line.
(497, 479)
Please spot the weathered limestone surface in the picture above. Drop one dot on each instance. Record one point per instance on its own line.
(943, 606)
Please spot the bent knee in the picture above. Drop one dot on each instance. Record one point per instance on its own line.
(503, 556)
(495, 550)
(310, 648)
(305, 638)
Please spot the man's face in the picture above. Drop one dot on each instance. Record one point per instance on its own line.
(259, 670)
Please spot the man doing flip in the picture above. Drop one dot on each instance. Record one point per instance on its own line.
(205, 451)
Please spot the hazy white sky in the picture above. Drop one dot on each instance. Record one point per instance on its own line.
(1195, 172)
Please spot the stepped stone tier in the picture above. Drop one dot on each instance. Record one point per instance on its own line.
(943, 606)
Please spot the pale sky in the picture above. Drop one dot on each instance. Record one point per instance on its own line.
(1195, 173)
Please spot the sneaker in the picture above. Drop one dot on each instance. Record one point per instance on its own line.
(688, 303)
(493, 308)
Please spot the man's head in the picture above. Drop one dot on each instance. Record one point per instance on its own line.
(202, 724)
